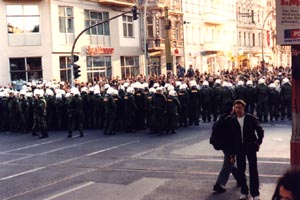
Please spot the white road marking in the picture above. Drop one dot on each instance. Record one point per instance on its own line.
(70, 190)
(64, 161)
(30, 146)
(22, 173)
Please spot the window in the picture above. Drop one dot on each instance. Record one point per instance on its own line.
(253, 39)
(66, 21)
(150, 27)
(129, 66)
(245, 39)
(240, 39)
(98, 67)
(65, 70)
(26, 69)
(92, 17)
(127, 26)
(22, 19)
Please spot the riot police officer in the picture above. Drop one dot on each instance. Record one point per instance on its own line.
(75, 112)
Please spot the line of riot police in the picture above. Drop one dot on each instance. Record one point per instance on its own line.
(134, 106)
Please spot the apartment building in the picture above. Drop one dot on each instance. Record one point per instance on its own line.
(37, 38)
(210, 34)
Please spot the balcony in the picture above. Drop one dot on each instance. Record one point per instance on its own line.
(215, 46)
(213, 18)
(122, 3)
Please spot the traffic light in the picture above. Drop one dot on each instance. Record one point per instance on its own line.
(76, 71)
(134, 13)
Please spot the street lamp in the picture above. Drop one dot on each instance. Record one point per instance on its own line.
(262, 38)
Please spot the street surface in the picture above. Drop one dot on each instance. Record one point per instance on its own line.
(129, 166)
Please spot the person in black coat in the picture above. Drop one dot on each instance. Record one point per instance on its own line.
(248, 136)
(225, 143)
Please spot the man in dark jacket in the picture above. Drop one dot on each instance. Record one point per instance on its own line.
(248, 136)
(286, 99)
(75, 112)
(224, 137)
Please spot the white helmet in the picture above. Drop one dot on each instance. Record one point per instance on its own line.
(177, 83)
(130, 90)
(152, 90)
(126, 84)
(182, 87)
(249, 82)
(285, 80)
(74, 91)
(205, 83)
(240, 83)
(84, 89)
(145, 85)
(115, 92)
(193, 83)
(49, 92)
(121, 87)
(218, 81)
(225, 84)
(28, 94)
(272, 85)
(261, 81)
(91, 89)
(170, 87)
(106, 86)
(156, 85)
(58, 96)
(159, 89)
(23, 92)
(110, 91)
(167, 85)
(173, 93)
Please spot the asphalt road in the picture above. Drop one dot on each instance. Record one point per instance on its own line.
(129, 166)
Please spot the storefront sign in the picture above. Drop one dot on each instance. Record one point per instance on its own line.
(99, 50)
(288, 22)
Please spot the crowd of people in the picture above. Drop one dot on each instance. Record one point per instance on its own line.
(158, 103)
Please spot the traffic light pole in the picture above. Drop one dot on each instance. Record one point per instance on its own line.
(167, 43)
(78, 36)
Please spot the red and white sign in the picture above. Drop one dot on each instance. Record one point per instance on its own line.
(99, 50)
(288, 22)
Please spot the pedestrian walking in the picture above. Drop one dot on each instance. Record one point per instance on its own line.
(248, 136)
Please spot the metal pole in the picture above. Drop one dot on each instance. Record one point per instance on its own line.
(145, 40)
(78, 36)
(262, 38)
(167, 43)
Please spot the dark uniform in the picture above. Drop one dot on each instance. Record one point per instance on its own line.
(240, 92)
(110, 114)
(250, 98)
(286, 101)
(217, 89)
(227, 99)
(40, 117)
(262, 102)
(13, 113)
(130, 108)
(274, 102)
(206, 96)
(75, 114)
(140, 101)
(184, 99)
(172, 107)
(194, 107)
(158, 107)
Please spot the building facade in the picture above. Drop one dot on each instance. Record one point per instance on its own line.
(38, 36)
(210, 35)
